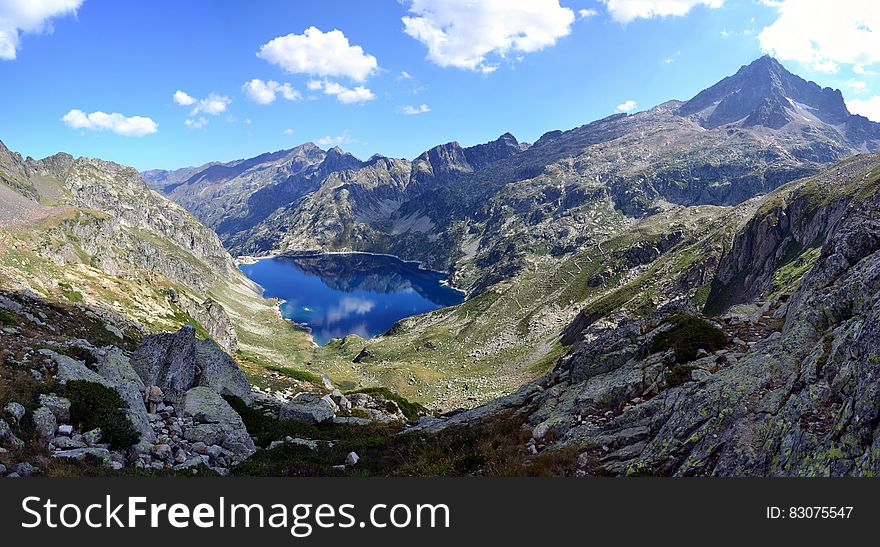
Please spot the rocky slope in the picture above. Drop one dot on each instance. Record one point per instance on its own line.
(785, 384)
(89, 231)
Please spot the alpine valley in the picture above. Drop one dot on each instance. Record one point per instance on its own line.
(687, 290)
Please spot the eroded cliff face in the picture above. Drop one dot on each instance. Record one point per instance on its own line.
(793, 390)
(791, 226)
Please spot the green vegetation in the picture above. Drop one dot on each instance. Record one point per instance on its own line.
(411, 410)
(493, 448)
(181, 317)
(788, 277)
(69, 292)
(7, 318)
(94, 405)
(688, 335)
(678, 374)
(249, 359)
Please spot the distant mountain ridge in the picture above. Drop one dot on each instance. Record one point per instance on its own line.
(482, 207)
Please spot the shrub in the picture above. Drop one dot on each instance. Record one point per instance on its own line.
(688, 335)
(94, 405)
(678, 375)
(7, 318)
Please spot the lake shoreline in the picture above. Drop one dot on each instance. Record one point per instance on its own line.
(269, 288)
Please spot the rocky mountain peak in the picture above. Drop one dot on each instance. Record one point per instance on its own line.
(764, 93)
(501, 148)
(337, 159)
(445, 159)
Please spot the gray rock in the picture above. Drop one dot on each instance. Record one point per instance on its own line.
(352, 459)
(2, 469)
(59, 406)
(162, 452)
(66, 443)
(70, 369)
(217, 423)
(189, 464)
(95, 456)
(8, 439)
(308, 408)
(65, 429)
(341, 400)
(115, 367)
(178, 362)
(93, 437)
(15, 410)
(45, 423)
(24, 469)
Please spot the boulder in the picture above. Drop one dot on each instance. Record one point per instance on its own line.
(71, 370)
(308, 408)
(177, 362)
(24, 469)
(45, 423)
(66, 443)
(93, 437)
(95, 456)
(59, 406)
(115, 367)
(341, 400)
(8, 438)
(15, 410)
(216, 423)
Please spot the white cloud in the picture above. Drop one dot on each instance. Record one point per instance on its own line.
(413, 110)
(265, 92)
(869, 108)
(247, 121)
(214, 104)
(28, 16)
(626, 11)
(856, 86)
(319, 53)
(824, 34)
(183, 98)
(626, 106)
(359, 94)
(587, 13)
(196, 123)
(135, 126)
(462, 33)
(287, 132)
(334, 141)
(404, 75)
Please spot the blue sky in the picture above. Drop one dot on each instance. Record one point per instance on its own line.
(397, 78)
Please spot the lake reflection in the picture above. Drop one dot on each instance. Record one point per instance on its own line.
(340, 294)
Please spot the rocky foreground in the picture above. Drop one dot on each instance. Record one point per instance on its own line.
(171, 391)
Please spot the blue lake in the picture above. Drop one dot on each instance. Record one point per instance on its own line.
(340, 294)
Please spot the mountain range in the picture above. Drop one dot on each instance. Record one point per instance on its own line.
(687, 290)
(458, 208)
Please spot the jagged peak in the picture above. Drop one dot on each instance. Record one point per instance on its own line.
(764, 90)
